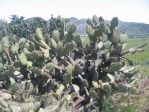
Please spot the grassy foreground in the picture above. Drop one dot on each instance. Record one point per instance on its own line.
(141, 58)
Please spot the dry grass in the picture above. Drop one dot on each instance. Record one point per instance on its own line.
(136, 100)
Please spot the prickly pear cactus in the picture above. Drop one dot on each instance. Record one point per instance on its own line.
(64, 67)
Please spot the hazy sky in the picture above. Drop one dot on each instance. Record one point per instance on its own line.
(125, 10)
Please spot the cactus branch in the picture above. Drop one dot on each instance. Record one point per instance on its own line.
(7, 55)
(135, 49)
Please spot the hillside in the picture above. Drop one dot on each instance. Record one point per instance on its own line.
(130, 28)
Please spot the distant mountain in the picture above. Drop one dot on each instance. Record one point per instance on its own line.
(130, 28)
(134, 29)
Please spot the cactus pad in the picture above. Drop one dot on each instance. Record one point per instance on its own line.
(56, 35)
(71, 28)
(39, 34)
(95, 19)
(5, 41)
(89, 30)
(23, 59)
(114, 22)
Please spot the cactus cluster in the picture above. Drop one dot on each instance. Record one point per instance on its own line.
(66, 66)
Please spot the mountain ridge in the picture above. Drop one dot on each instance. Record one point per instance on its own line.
(132, 29)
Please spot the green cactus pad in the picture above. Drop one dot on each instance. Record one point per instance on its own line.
(46, 53)
(115, 66)
(62, 101)
(13, 85)
(50, 67)
(98, 62)
(115, 38)
(69, 47)
(77, 40)
(1, 66)
(97, 33)
(82, 41)
(107, 31)
(44, 45)
(93, 94)
(67, 38)
(39, 34)
(30, 64)
(77, 69)
(17, 45)
(107, 55)
(39, 62)
(71, 28)
(74, 94)
(93, 38)
(89, 30)
(25, 50)
(114, 22)
(110, 78)
(14, 49)
(102, 27)
(95, 84)
(3, 103)
(22, 59)
(95, 19)
(124, 46)
(31, 46)
(112, 50)
(47, 38)
(36, 70)
(56, 35)
(62, 22)
(74, 43)
(107, 44)
(67, 78)
(60, 89)
(85, 41)
(27, 44)
(5, 42)
(106, 87)
(123, 38)
(121, 88)
(104, 38)
(95, 76)
(118, 48)
(89, 22)
(17, 64)
(85, 83)
(36, 54)
(53, 43)
(69, 69)
(101, 19)
(61, 51)
(22, 43)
